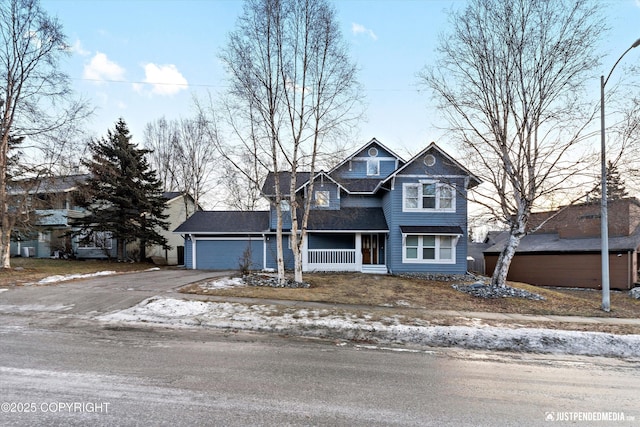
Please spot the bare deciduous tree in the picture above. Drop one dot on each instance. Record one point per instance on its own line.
(293, 88)
(35, 100)
(510, 77)
(185, 155)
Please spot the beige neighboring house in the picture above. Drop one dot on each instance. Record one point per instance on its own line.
(179, 207)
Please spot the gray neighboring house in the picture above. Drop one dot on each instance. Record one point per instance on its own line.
(374, 212)
(53, 204)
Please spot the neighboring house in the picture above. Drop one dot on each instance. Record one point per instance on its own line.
(566, 250)
(48, 207)
(50, 203)
(373, 212)
(179, 208)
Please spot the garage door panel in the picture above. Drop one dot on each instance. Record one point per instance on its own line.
(226, 254)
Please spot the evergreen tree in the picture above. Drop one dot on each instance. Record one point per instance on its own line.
(123, 196)
(615, 185)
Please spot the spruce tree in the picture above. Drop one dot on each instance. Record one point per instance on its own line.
(615, 185)
(123, 195)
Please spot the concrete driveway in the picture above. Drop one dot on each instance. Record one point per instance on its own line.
(101, 294)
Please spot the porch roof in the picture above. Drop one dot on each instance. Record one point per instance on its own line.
(432, 229)
(347, 219)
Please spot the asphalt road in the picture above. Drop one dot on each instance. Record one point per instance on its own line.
(58, 366)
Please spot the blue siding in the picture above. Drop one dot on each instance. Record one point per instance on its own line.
(227, 254)
(392, 207)
(273, 222)
(356, 201)
(357, 168)
(334, 201)
(271, 252)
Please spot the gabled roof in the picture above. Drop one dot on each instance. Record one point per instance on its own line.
(225, 222)
(473, 179)
(364, 147)
(319, 177)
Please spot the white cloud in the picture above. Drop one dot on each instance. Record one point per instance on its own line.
(165, 79)
(100, 68)
(77, 48)
(358, 29)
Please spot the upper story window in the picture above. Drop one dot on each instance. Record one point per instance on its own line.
(429, 195)
(373, 167)
(322, 198)
(285, 206)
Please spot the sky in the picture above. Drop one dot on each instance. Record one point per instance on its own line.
(143, 60)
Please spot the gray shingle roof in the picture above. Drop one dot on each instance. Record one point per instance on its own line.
(551, 242)
(268, 188)
(204, 222)
(347, 219)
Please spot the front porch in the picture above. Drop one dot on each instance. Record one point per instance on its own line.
(359, 252)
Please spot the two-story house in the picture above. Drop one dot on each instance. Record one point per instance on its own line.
(49, 206)
(373, 212)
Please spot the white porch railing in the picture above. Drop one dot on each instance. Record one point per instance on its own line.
(331, 259)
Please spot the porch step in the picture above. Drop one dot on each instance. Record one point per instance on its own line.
(374, 269)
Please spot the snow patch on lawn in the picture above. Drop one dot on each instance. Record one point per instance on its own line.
(320, 323)
(62, 278)
(224, 283)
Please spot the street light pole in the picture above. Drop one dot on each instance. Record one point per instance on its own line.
(604, 226)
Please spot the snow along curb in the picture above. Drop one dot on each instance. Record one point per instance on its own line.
(320, 323)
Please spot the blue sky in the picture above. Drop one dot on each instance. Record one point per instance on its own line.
(122, 48)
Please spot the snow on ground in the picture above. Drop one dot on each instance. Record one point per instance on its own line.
(321, 323)
(62, 278)
(224, 283)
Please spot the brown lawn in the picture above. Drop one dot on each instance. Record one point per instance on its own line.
(389, 295)
(30, 270)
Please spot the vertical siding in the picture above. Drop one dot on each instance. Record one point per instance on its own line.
(188, 253)
(570, 270)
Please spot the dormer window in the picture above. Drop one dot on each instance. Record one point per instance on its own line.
(373, 167)
(322, 198)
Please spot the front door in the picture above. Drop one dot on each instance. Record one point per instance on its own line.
(369, 249)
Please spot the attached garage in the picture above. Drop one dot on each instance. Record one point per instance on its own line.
(220, 240)
(226, 253)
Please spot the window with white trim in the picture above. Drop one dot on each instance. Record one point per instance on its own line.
(373, 167)
(428, 195)
(428, 248)
(322, 198)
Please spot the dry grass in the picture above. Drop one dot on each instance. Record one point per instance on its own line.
(394, 291)
(30, 270)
